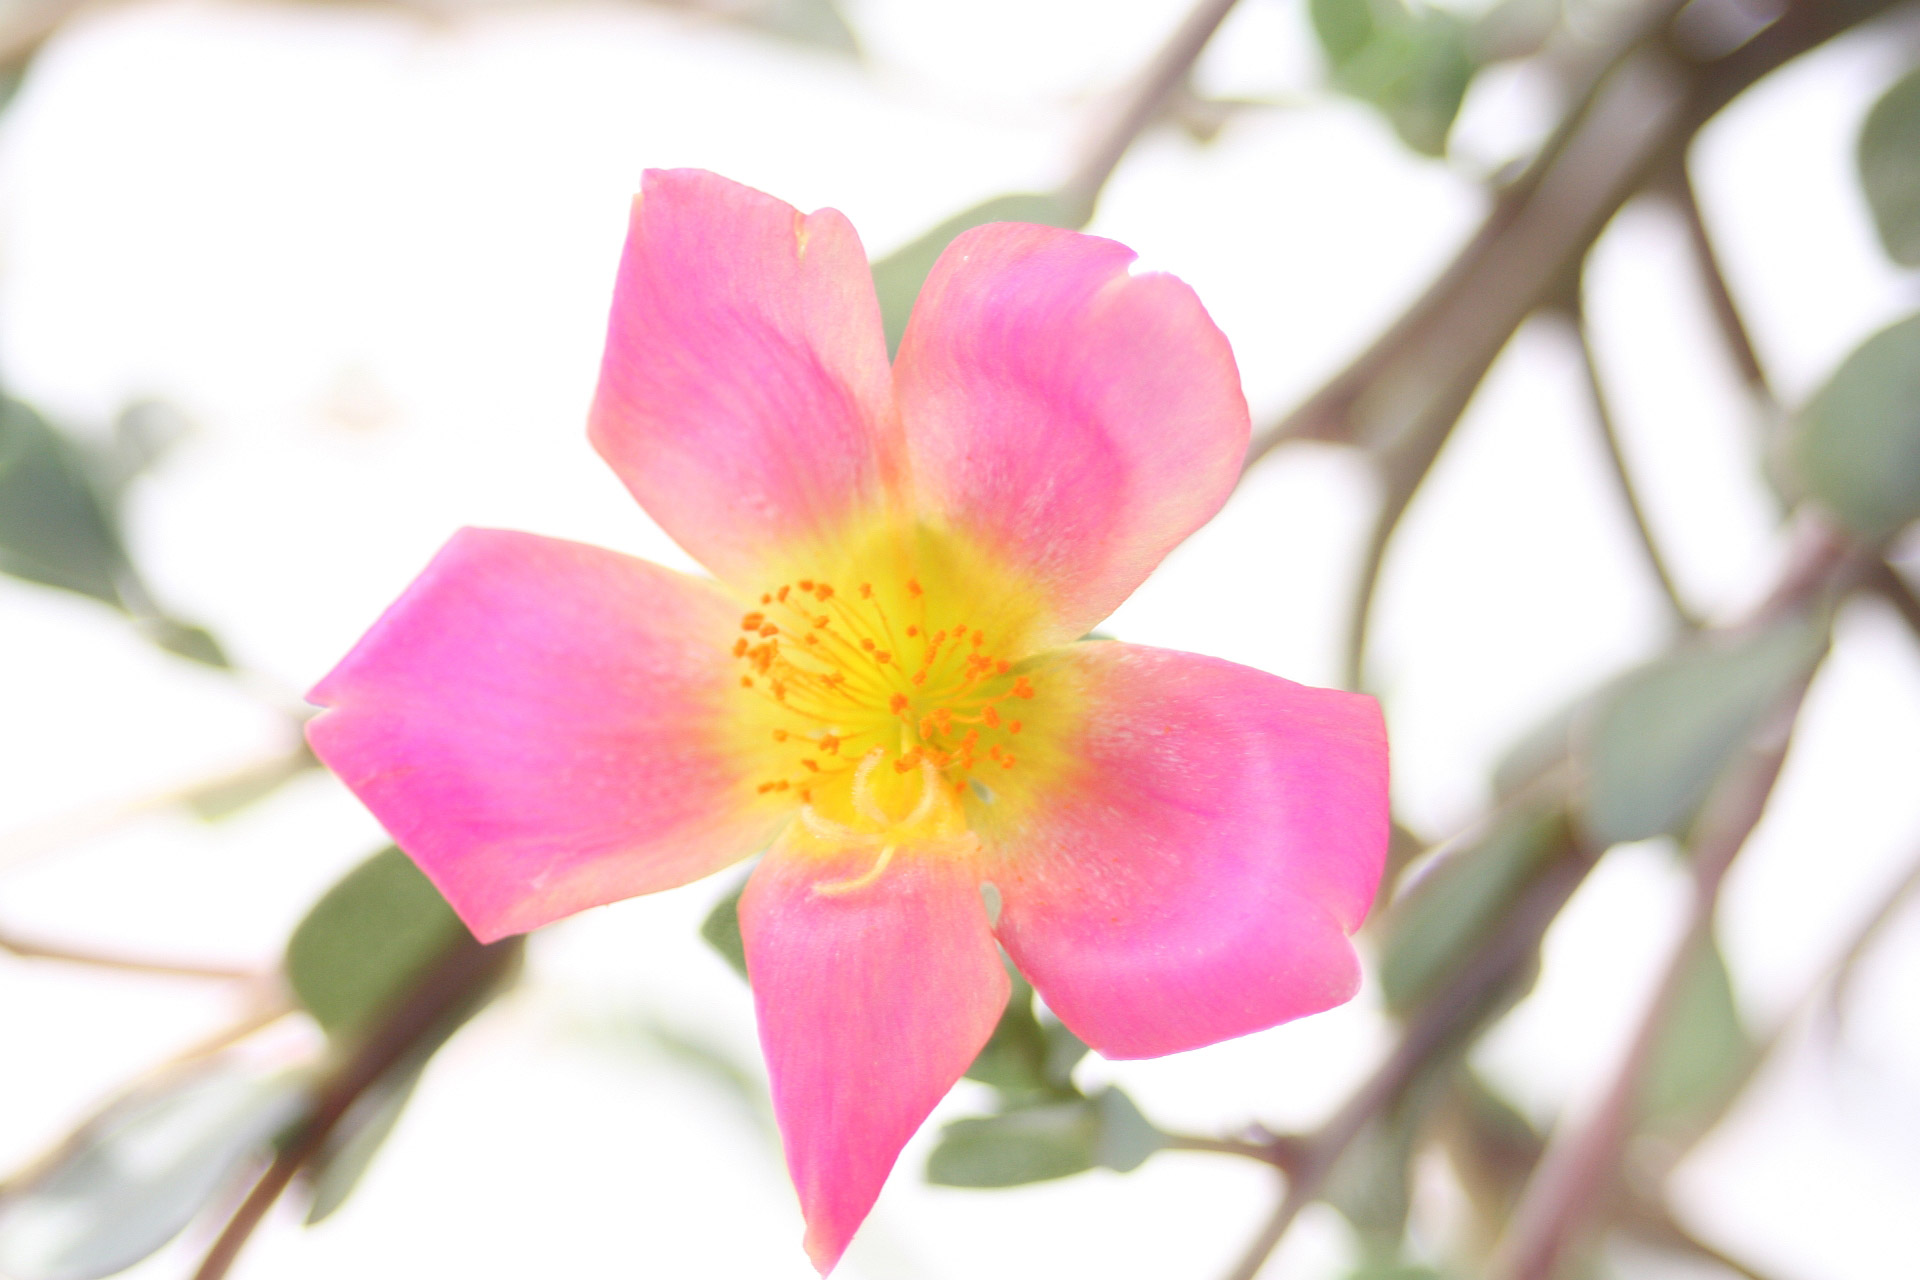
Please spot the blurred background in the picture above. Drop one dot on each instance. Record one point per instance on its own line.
(288, 293)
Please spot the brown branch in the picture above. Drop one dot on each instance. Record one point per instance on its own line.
(1617, 466)
(1280, 1152)
(1637, 117)
(1443, 1022)
(466, 971)
(1678, 187)
(28, 949)
(1582, 1166)
(1886, 582)
(1156, 86)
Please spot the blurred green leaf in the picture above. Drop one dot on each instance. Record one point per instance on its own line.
(1701, 1052)
(349, 1149)
(55, 527)
(368, 939)
(1027, 1059)
(1856, 444)
(183, 639)
(898, 276)
(1889, 159)
(811, 22)
(1432, 928)
(1034, 1144)
(1412, 64)
(211, 804)
(1343, 26)
(135, 1175)
(1657, 739)
(721, 929)
(1393, 1271)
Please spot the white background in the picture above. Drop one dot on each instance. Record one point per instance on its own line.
(371, 257)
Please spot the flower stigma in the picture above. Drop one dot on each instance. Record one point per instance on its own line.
(879, 712)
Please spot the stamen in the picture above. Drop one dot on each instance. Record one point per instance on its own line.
(864, 879)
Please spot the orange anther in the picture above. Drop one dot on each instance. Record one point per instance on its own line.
(920, 676)
(765, 598)
(781, 594)
(883, 657)
(806, 584)
(780, 735)
(1013, 726)
(866, 591)
(740, 647)
(821, 621)
(1022, 689)
(897, 703)
(769, 630)
(866, 644)
(808, 764)
(752, 621)
(991, 714)
(1006, 762)
(746, 682)
(913, 588)
(822, 591)
(912, 632)
(1000, 666)
(959, 630)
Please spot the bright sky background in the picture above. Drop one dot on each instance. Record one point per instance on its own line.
(371, 258)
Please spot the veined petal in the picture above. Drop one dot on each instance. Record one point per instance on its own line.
(539, 725)
(1078, 420)
(1196, 873)
(874, 993)
(745, 397)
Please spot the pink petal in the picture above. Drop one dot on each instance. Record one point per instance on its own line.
(745, 397)
(534, 722)
(872, 1003)
(1079, 420)
(1196, 875)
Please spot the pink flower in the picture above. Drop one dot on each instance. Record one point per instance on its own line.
(882, 689)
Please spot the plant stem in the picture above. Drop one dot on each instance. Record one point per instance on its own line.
(1143, 103)
(466, 970)
(1438, 1024)
(1617, 465)
(33, 950)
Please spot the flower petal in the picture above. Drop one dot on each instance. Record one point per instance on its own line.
(1079, 420)
(872, 1002)
(536, 723)
(1195, 876)
(744, 397)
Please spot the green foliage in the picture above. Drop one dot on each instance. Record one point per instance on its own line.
(812, 22)
(1027, 1059)
(1412, 64)
(1856, 444)
(1889, 159)
(349, 1149)
(898, 276)
(138, 1173)
(369, 939)
(1038, 1143)
(56, 526)
(1435, 926)
(60, 519)
(1656, 740)
(721, 929)
(1701, 1054)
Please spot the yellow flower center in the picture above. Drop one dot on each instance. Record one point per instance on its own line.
(883, 712)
